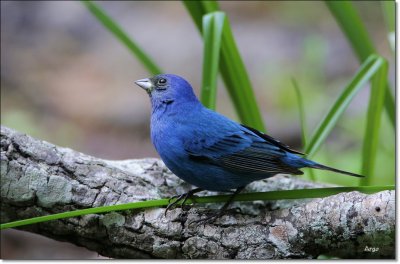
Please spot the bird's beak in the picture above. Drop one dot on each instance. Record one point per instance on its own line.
(145, 84)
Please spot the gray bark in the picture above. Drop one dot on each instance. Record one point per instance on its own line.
(38, 178)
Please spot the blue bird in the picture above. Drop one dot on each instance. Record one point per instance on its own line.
(207, 149)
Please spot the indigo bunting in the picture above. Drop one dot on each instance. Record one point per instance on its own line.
(208, 150)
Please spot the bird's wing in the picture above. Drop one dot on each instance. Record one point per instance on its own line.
(273, 141)
(243, 151)
(216, 146)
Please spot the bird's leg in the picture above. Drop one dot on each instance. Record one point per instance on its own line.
(183, 196)
(220, 211)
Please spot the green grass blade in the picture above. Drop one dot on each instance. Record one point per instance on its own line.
(303, 125)
(389, 13)
(197, 9)
(366, 71)
(236, 78)
(371, 138)
(231, 67)
(115, 29)
(390, 106)
(302, 115)
(273, 195)
(96, 210)
(352, 26)
(213, 24)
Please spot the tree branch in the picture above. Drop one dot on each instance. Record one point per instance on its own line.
(38, 178)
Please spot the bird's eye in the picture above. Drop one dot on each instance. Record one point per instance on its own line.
(162, 81)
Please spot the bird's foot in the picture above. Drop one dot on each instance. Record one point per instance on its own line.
(220, 212)
(181, 197)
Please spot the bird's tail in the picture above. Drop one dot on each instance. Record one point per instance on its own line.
(323, 167)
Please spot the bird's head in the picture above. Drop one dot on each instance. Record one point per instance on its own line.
(167, 88)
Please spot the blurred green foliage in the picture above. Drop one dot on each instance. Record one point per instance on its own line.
(238, 85)
(318, 90)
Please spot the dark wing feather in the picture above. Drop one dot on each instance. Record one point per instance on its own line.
(256, 160)
(241, 152)
(215, 147)
(273, 141)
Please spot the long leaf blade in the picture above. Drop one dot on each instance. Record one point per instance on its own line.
(231, 67)
(273, 195)
(364, 74)
(197, 9)
(213, 24)
(371, 138)
(389, 13)
(352, 26)
(115, 29)
(302, 115)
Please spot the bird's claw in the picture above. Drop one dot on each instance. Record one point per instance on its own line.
(174, 197)
(221, 211)
(179, 198)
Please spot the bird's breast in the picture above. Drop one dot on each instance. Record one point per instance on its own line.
(165, 136)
